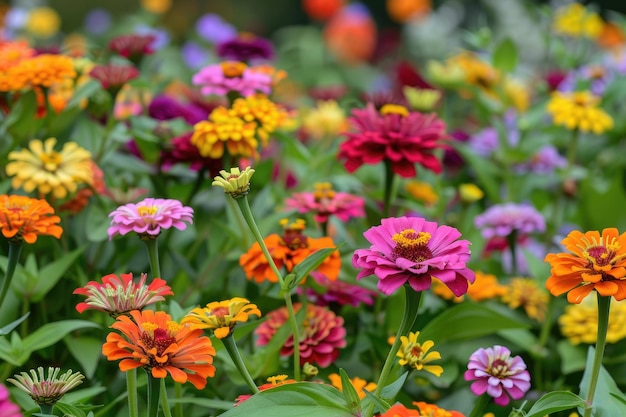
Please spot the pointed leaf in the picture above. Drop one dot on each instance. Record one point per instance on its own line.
(390, 391)
(606, 401)
(380, 404)
(350, 394)
(52, 273)
(553, 402)
(304, 268)
(9, 327)
(50, 333)
(505, 56)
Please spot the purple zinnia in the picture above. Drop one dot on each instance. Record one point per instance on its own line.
(212, 28)
(503, 219)
(496, 373)
(544, 162)
(7, 408)
(246, 47)
(166, 108)
(414, 251)
(148, 217)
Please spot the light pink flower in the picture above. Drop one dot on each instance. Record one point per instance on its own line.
(414, 251)
(7, 408)
(149, 216)
(498, 374)
(220, 79)
(321, 338)
(324, 202)
(503, 219)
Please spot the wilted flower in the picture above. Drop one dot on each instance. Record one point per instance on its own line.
(231, 76)
(221, 316)
(246, 47)
(41, 168)
(597, 262)
(154, 341)
(119, 295)
(496, 373)
(24, 219)
(322, 334)
(504, 219)
(47, 390)
(525, 293)
(326, 202)
(414, 251)
(359, 384)
(416, 355)
(7, 408)
(148, 217)
(579, 110)
(579, 322)
(235, 183)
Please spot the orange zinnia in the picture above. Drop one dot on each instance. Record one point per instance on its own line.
(597, 262)
(25, 218)
(159, 344)
(288, 251)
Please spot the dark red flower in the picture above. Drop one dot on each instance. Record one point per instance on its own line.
(113, 77)
(134, 47)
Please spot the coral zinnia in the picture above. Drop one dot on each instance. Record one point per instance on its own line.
(414, 251)
(399, 410)
(596, 262)
(395, 135)
(149, 216)
(321, 337)
(24, 218)
(42, 168)
(326, 202)
(159, 344)
(221, 316)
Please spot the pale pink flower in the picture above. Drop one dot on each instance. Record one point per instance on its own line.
(149, 216)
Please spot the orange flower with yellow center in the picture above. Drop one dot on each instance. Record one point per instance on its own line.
(12, 52)
(154, 341)
(288, 251)
(24, 218)
(39, 71)
(221, 316)
(596, 263)
(225, 131)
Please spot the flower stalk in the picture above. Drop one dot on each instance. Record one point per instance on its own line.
(604, 305)
(479, 406)
(153, 395)
(131, 388)
(15, 249)
(233, 352)
(163, 398)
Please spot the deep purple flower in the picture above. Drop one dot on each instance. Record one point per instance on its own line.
(181, 150)
(212, 28)
(7, 408)
(451, 157)
(414, 251)
(246, 47)
(163, 107)
(149, 216)
(503, 219)
(498, 374)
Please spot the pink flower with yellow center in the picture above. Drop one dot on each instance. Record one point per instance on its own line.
(149, 216)
(232, 76)
(325, 202)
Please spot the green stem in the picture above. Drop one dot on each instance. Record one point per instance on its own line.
(153, 255)
(15, 249)
(389, 177)
(512, 241)
(233, 352)
(46, 409)
(163, 397)
(153, 396)
(178, 394)
(411, 306)
(131, 387)
(479, 406)
(293, 321)
(571, 152)
(240, 223)
(604, 305)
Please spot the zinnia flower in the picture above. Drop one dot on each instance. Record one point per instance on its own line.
(24, 218)
(231, 76)
(525, 292)
(496, 373)
(235, 183)
(7, 408)
(579, 322)
(287, 251)
(416, 355)
(399, 410)
(395, 135)
(119, 295)
(431, 410)
(504, 219)
(576, 21)
(47, 390)
(114, 77)
(42, 71)
(329, 292)
(359, 384)
(225, 131)
(326, 202)
(485, 287)
(322, 334)
(221, 316)
(579, 110)
(133, 46)
(272, 382)
(267, 115)
(596, 262)
(149, 216)
(414, 251)
(154, 341)
(246, 47)
(42, 168)
(326, 120)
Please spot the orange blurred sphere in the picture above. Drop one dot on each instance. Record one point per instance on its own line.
(351, 36)
(403, 10)
(322, 9)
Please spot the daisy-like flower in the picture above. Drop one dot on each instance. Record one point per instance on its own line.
(246, 47)
(392, 134)
(431, 410)
(485, 287)
(235, 183)
(496, 373)
(40, 167)
(113, 77)
(288, 251)
(47, 389)
(221, 316)
(120, 295)
(326, 202)
(326, 120)
(24, 219)
(154, 341)
(503, 219)
(414, 251)
(575, 20)
(321, 338)
(476, 72)
(525, 293)
(267, 115)
(225, 132)
(579, 110)
(42, 71)
(231, 76)
(596, 262)
(359, 384)
(579, 322)
(148, 217)
(7, 408)
(416, 355)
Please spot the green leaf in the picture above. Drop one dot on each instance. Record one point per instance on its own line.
(606, 401)
(9, 327)
(52, 272)
(203, 402)
(572, 357)
(302, 399)
(380, 404)
(553, 402)
(50, 333)
(86, 351)
(505, 56)
(350, 394)
(69, 409)
(466, 321)
(390, 391)
(304, 268)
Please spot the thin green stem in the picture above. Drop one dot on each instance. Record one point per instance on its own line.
(15, 249)
(479, 405)
(153, 255)
(131, 388)
(544, 333)
(46, 409)
(604, 305)
(153, 396)
(241, 223)
(178, 394)
(293, 321)
(571, 152)
(163, 397)
(389, 177)
(512, 241)
(233, 352)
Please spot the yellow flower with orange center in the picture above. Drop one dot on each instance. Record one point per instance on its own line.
(575, 20)
(258, 108)
(221, 316)
(39, 71)
(579, 322)
(326, 120)
(359, 384)
(579, 110)
(416, 355)
(526, 293)
(40, 167)
(422, 191)
(24, 218)
(225, 131)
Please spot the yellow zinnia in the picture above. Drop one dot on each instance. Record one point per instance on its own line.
(326, 120)
(221, 316)
(579, 110)
(526, 293)
(579, 322)
(416, 355)
(43, 22)
(576, 21)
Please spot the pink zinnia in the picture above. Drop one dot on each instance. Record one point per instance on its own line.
(496, 373)
(504, 219)
(7, 408)
(414, 251)
(324, 202)
(149, 216)
(119, 295)
(338, 292)
(394, 134)
(220, 79)
(321, 338)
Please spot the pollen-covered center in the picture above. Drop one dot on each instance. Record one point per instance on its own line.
(417, 351)
(51, 160)
(146, 210)
(499, 368)
(600, 255)
(412, 245)
(155, 337)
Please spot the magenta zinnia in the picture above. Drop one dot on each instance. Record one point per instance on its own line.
(395, 135)
(325, 202)
(149, 216)
(414, 251)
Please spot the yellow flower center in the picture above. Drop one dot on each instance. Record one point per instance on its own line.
(277, 379)
(394, 109)
(323, 190)
(600, 254)
(146, 210)
(233, 69)
(411, 245)
(499, 368)
(51, 160)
